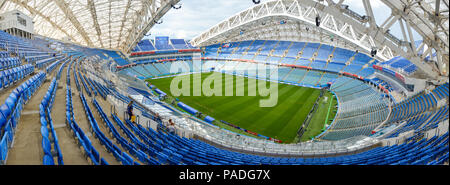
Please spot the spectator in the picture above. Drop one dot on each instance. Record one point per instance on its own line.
(171, 126)
(130, 110)
(157, 118)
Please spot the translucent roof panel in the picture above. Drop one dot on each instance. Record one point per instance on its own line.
(109, 24)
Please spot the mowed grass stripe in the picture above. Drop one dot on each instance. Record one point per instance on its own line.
(227, 102)
(281, 122)
(212, 103)
(239, 110)
(292, 113)
(302, 113)
(249, 109)
(271, 122)
(249, 112)
(226, 98)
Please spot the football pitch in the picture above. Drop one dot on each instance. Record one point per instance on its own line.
(280, 122)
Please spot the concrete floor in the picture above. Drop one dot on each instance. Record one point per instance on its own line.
(72, 153)
(27, 148)
(83, 123)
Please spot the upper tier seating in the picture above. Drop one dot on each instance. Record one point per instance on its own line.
(179, 43)
(441, 91)
(325, 57)
(357, 101)
(146, 45)
(309, 50)
(324, 52)
(400, 64)
(163, 46)
(116, 57)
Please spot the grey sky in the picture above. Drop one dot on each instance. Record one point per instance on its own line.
(196, 16)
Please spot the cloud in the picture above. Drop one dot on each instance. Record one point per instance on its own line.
(197, 16)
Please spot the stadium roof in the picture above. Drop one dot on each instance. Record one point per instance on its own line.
(109, 24)
(428, 18)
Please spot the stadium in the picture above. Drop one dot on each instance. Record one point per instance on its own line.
(343, 86)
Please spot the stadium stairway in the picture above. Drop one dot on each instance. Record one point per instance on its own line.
(103, 127)
(83, 123)
(72, 154)
(27, 148)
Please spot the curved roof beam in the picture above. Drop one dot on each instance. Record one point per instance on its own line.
(151, 12)
(2, 2)
(124, 18)
(347, 24)
(91, 5)
(108, 24)
(69, 14)
(39, 13)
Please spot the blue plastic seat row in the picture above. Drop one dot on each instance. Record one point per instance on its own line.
(35, 58)
(10, 62)
(77, 83)
(144, 154)
(58, 75)
(442, 91)
(84, 141)
(134, 150)
(10, 111)
(100, 89)
(111, 147)
(52, 66)
(42, 63)
(10, 76)
(47, 123)
(83, 81)
(196, 152)
(90, 84)
(79, 135)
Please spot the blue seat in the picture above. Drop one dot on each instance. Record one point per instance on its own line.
(10, 102)
(10, 76)
(3, 121)
(5, 78)
(48, 160)
(19, 90)
(25, 91)
(44, 131)
(5, 110)
(46, 146)
(14, 74)
(162, 158)
(43, 121)
(29, 84)
(103, 162)
(2, 79)
(127, 158)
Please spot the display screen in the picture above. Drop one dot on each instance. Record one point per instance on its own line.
(22, 21)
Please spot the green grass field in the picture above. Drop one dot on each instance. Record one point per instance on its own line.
(280, 122)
